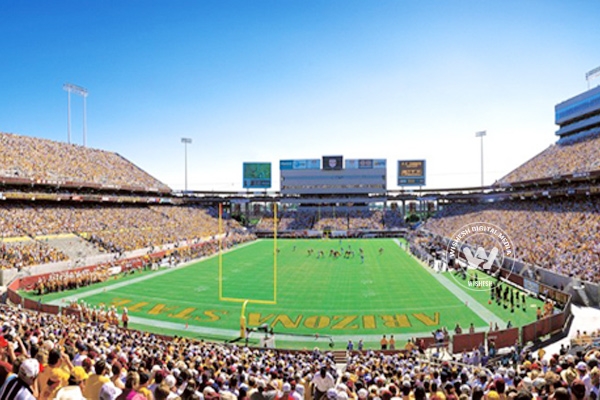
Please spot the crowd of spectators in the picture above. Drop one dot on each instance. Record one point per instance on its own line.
(289, 220)
(112, 228)
(46, 160)
(334, 219)
(121, 228)
(59, 357)
(586, 338)
(297, 220)
(572, 157)
(557, 235)
(24, 254)
(365, 220)
(393, 219)
(130, 228)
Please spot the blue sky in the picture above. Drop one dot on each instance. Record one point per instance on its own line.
(271, 80)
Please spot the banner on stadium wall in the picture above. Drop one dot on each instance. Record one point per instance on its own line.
(339, 233)
(114, 270)
(307, 164)
(257, 175)
(19, 196)
(364, 163)
(379, 163)
(313, 233)
(299, 164)
(351, 164)
(45, 196)
(532, 286)
(286, 165)
(332, 163)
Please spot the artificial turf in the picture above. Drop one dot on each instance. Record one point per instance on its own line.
(387, 293)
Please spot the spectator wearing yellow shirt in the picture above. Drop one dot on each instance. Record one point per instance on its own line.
(56, 373)
(95, 381)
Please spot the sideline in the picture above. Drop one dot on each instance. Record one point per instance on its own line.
(232, 333)
(473, 304)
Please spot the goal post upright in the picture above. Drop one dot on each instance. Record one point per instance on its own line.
(243, 320)
(220, 231)
(275, 251)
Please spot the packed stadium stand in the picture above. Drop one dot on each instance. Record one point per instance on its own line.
(342, 218)
(26, 159)
(559, 235)
(573, 157)
(64, 358)
(23, 254)
(110, 228)
(293, 221)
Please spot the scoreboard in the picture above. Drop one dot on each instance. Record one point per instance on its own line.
(411, 173)
(257, 175)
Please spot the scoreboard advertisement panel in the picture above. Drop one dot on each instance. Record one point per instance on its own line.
(365, 163)
(300, 164)
(332, 163)
(379, 163)
(411, 173)
(257, 175)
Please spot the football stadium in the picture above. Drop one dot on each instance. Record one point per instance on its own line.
(335, 262)
(317, 280)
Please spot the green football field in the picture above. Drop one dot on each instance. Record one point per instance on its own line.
(307, 300)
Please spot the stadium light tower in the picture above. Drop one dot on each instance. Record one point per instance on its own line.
(481, 134)
(593, 74)
(185, 142)
(70, 88)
